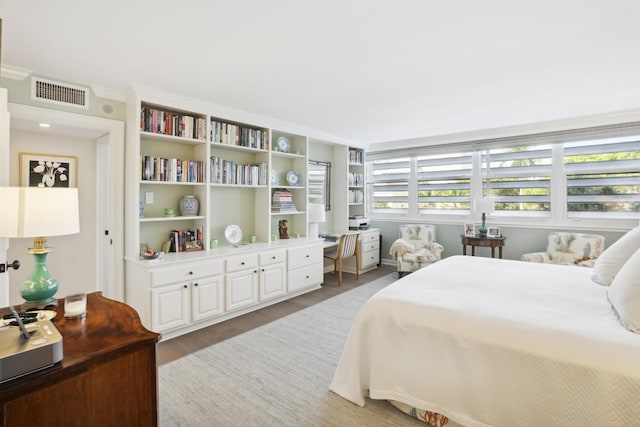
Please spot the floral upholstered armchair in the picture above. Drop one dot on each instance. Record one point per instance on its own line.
(569, 249)
(416, 248)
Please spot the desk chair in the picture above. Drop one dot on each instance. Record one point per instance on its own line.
(347, 247)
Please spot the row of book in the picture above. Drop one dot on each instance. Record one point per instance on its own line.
(232, 134)
(228, 172)
(356, 196)
(356, 179)
(356, 156)
(171, 170)
(174, 124)
(282, 201)
(186, 240)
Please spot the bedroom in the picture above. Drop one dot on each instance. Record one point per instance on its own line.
(536, 68)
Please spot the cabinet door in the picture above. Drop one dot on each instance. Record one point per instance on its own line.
(207, 298)
(169, 307)
(242, 289)
(272, 281)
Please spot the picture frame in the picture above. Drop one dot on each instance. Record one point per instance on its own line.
(494, 232)
(469, 230)
(48, 170)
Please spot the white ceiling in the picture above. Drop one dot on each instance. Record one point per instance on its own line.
(365, 70)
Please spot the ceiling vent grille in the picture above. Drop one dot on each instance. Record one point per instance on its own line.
(59, 93)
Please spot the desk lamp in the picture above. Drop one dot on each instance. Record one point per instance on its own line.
(316, 215)
(486, 206)
(36, 212)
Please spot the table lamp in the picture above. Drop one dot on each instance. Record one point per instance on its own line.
(37, 212)
(316, 215)
(486, 206)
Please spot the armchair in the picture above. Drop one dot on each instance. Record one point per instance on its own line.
(416, 248)
(569, 249)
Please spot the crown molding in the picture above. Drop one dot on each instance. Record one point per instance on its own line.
(109, 93)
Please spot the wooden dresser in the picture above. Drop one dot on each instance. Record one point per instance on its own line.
(107, 377)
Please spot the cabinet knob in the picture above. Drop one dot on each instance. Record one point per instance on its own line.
(273, 257)
(307, 255)
(255, 271)
(242, 263)
(185, 286)
(307, 277)
(195, 284)
(191, 273)
(262, 269)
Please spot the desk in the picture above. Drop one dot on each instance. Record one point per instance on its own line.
(108, 375)
(490, 242)
(328, 244)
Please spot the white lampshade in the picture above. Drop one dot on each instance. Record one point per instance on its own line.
(316, 213)
(38, 212)
(485, 205)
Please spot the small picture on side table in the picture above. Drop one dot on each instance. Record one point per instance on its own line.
(494, 232)
(469, 230)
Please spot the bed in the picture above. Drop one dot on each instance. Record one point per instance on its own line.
(490, 342)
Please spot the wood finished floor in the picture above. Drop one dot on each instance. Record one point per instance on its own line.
(183, 345)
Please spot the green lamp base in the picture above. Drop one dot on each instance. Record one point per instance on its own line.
(39, 288)
(483, 227)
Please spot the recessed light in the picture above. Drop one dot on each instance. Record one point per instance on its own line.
(44, 125)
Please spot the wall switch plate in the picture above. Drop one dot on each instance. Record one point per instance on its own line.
(148, 197)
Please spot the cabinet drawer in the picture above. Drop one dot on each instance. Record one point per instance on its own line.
(370, 237)
(370, 246)
(273, 257)
(241, 262)
(185, 272)
(369, 258)
(301, 257)
(304, 277)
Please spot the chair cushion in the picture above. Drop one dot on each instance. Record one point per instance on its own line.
(614, 257)
(572, 248)
(624, 293)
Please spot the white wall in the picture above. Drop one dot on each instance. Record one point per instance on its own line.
(72, 261)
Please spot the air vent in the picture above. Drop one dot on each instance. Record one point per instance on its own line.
(59, 93)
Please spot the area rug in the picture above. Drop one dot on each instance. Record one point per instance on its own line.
(275, 375)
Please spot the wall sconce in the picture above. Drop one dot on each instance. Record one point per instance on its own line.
(35, 212)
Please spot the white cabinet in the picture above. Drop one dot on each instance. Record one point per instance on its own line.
(186, 293)
(305, 267)
(273, 274)
(369, 241)
(242, 281)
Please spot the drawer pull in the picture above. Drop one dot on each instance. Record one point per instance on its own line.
(262, 269)
(242, 263)
(191, 273)
(306, 277)
(307, 256)
(185, 286)
(255, 271)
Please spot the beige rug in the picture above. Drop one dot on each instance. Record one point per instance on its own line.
(275, 375)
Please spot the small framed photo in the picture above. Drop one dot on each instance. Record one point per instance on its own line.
(494, 232)
(469, 230)
(47, 170)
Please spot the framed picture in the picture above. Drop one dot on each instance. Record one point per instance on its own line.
(493, 232)
(469, 230)
(47, 170)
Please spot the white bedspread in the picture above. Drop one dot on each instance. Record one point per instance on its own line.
(498, 343)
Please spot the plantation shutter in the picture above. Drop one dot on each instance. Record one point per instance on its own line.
(444, 183)
(603, 178)
(389, 185)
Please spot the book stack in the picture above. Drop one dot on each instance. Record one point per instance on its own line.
(243, 136)
(170, 123)
(227, 172)
(282, 201)
(171, 170)
(186, 240)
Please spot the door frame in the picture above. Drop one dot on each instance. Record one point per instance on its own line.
(114, 138)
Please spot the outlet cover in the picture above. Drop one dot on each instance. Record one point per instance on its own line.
(148, 197)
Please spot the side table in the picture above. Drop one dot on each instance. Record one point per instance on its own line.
(477, 240)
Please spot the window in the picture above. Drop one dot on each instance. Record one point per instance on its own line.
(519, 179)
(389, 189)
(603, 178)
(444, 183)
(590, 173)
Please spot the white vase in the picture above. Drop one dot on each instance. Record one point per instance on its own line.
(189, 206)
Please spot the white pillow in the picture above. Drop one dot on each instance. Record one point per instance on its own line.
(613, 258)
(624, 293)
